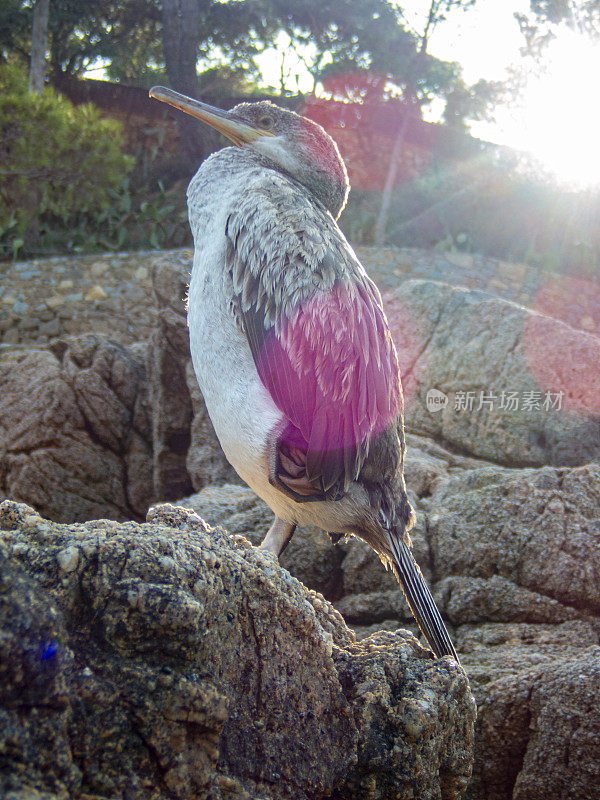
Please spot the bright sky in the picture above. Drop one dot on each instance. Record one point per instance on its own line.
(485, 39)
(557, 118)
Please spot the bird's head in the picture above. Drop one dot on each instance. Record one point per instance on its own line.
(296, 145)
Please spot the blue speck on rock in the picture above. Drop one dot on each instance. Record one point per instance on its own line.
(49, 650)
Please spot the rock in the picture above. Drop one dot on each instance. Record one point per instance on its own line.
(496, 599)
(587, 323)
(176, 661)
(99, 269)
(310, 556)
(564, 731)
(19, 307)
(491, 541)
(515, 272)
(515, 557)
(537, 727)
(486, 356)
(6, 323)
(365, 608)
(462, 260)
(50, 328)
(28, 323)
(170, 398)
(11, 336)
(36, 759)
(95, 293)
(534, 529)
(75, 437)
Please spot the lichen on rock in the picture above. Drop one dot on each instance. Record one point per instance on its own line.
(172, 660)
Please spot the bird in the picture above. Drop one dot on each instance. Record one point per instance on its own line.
(290, 343)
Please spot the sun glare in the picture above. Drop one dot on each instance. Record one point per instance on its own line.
(560, 111)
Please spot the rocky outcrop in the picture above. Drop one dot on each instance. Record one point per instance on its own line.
(168, 660)
(498, 545)
(496, 380)
(91, 428)
(170, 398)
(538, 723)
(500, 369)
(75, 435)
(517, 545)
(481, 375)
(106, 633)
(514, 558)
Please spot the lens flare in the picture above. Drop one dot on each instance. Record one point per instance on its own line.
(370, 125)
(559, 113)
(560, 358)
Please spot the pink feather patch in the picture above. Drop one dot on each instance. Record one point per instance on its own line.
(332, 369)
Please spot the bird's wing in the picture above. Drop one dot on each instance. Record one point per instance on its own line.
(318, 335)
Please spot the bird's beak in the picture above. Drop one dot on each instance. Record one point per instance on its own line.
(238, 130)
(420, 600)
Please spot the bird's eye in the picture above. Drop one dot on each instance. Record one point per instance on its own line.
(266, 122)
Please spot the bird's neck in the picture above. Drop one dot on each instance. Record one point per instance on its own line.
(328, 191)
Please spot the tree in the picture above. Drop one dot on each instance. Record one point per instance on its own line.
(181, 34)
(415, 93)
(39, 43)
(539, 26)
(582, 15)
(158, 41)
(15, 31)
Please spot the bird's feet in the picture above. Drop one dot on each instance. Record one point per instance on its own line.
(278, 537)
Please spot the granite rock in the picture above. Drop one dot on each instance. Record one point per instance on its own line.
(75, 436)
(169, 395)
(538, 726)
(526, 542)
(512, 555)
(310, 556)
(471, 351)
(171, 660)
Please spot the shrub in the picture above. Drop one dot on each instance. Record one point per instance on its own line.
(134, 219)
(59, 163)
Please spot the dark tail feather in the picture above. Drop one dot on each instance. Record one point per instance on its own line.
(420, 600)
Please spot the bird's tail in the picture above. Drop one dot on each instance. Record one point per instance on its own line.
(420, 599)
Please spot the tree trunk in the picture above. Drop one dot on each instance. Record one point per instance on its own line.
(181, 30)
(39, 40)
(386, 198)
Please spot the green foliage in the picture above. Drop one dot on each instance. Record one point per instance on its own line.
(58, 162)
(15, 28)
(134, 219)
